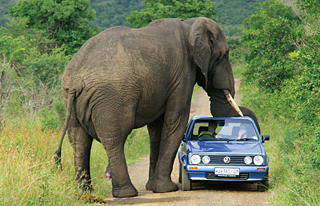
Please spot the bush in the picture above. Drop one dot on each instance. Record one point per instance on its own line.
(270, 35)
(52, 118)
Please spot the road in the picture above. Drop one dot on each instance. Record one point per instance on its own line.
(229, 194)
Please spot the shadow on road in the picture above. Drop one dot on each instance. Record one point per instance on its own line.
(224, 186)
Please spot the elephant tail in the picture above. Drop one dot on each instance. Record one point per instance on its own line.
(57, 154)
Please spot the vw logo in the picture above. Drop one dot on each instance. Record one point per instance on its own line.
(226, 160)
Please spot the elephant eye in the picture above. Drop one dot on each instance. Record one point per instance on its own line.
(220, 57)
(211, 44)
(225, 55)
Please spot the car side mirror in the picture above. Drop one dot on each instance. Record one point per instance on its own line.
(265, 137)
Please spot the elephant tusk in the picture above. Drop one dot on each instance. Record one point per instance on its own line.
(232, 102)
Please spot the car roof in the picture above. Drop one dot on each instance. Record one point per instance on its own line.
(194, 118)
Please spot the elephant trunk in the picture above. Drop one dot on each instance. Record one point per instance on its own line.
(223, 106)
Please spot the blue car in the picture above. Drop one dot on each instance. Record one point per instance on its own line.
(223, 149)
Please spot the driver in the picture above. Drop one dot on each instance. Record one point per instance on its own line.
(211, 129)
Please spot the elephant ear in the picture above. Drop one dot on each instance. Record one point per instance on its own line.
(199, 40)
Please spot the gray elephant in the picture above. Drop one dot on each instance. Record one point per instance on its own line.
(125, 78)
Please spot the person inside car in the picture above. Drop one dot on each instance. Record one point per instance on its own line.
(208, 131)
(242, 132)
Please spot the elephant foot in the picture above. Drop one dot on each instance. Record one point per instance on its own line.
(85, 185)
(87, 188)
(150, 184)
(127, 191)
(164, 186)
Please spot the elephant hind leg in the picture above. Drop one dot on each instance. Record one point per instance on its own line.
(81, 143)
(112, 135)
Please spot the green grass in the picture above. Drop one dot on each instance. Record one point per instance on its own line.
(27, 172)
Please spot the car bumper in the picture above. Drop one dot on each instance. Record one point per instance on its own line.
(247, 173)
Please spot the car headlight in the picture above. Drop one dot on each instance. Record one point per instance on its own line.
(195, 159)
(206, 159)
(247, 160)
(258, 160)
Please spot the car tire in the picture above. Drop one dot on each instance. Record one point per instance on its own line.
(263, 186)
(185, 182)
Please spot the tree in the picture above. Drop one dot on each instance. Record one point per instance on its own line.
(26, 50)
(271, 35)
(4, 6)
(183, 9)
(64, 21)
(231, 14)
(114, 13)
(29, 70)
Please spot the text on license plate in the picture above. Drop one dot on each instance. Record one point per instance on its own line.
(227, 172)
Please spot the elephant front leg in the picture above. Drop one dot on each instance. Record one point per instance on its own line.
(154, 129)
(163, 182)
(81, 143)
(172, 134)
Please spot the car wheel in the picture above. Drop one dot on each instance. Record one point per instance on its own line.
(263, 186)
(185, 182)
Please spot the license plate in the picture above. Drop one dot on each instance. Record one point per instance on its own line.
(226, 172)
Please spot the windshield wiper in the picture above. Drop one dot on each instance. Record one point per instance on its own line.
(246, 139)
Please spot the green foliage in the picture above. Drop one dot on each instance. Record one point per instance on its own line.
(4, 7)
(30, 70)
(311, 7)
(114, 13)
(28, 51)
(289, 100)
(52, 118)
(157, 9)
(64, 21)
(270, 36)
(231, 14)
(236, 54)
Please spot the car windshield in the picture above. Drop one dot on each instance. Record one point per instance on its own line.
(224, 130)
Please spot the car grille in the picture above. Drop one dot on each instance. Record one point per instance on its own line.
(234, 160)
(242, 176)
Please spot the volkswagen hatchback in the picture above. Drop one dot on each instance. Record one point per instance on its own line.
(223, 149)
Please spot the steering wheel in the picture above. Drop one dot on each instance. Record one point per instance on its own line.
(204, 135)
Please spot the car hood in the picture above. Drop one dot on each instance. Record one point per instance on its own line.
(225, 147)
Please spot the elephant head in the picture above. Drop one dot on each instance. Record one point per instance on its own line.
(211, 54)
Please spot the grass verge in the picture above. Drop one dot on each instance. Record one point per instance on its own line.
(293, 149)
(28, 175)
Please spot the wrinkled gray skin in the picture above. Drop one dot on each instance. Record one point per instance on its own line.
(126, 78)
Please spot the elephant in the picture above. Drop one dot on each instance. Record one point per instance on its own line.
(125, 78)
